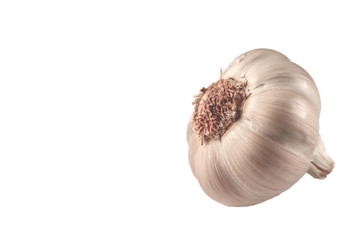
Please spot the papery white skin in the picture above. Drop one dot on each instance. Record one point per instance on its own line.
(272, 145)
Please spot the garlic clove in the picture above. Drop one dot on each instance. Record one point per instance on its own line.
(321, 164)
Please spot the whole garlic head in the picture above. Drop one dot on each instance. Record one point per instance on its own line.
(255, 132)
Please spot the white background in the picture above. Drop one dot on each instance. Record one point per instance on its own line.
(94, 101)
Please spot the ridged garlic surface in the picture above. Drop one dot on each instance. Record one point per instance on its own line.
(255, 132)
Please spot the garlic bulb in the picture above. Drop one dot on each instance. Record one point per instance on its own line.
(255, 132)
